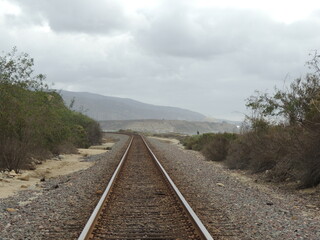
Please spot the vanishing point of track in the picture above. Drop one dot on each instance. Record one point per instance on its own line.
(142, 202)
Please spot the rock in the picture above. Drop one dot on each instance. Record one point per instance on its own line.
(269, 203)
(4, 180)
(220, 184)
(32, 166)
(24, 177)
(99, 192)
(58, 158)
(22, 204)
(11, 210)
(37, 162)
(284, 211)
(43, 179)
(57, 229)
(7, 226)
(311, 206)
(12, 173)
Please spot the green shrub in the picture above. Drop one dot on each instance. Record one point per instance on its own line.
(238, 156)
(214, 146)
(197, 142)
(261, 151)
(34, 120)
(308, 158)
(283, 134)
(280, 139)
(216, 149)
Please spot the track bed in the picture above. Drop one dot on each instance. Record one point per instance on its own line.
(141, 204)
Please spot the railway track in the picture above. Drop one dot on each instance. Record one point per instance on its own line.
(142, 202)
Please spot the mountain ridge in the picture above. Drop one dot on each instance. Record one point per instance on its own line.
(168, 126)
(101, 108)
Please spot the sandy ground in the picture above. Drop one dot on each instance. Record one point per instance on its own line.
(104, 146)
(11, 183)
(170, 140)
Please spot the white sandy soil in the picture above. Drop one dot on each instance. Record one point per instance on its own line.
(11, 183)
(170, 140)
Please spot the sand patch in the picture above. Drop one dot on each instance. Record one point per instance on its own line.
(89, 152)
(170, 140)
(30, 179)
(104, 146)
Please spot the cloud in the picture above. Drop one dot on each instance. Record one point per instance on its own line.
(182, 31)
(102, 16)
(175, 53)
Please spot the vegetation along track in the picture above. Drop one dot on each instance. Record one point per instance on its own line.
(141, 202)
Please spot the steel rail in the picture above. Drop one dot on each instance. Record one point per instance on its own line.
(193, 216)
(90, 224)
(87, 231)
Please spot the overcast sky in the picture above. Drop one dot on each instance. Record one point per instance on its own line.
(206, 56)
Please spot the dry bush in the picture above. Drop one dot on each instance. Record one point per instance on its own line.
(238, 154)
(300, 158)
(216, 142)
(258, 151)
(283, 134)
(66, 148)
(287, 152)
(268, 148)
(309, 171)
(14, 154)
(217, 149)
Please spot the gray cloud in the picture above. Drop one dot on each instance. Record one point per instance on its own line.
(185, 32)
(207, 60)
(100, 16)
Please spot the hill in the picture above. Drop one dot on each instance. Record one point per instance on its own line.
(166, 126)
(101, 107)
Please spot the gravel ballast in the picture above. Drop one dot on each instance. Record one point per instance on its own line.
(228, 206)
(60, 207)
(232, 208)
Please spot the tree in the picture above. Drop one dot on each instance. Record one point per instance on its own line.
(34, 120)
(296, 104)
(17, 69)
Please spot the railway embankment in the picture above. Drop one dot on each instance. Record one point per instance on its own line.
(230, 205)
(237, 206)
(141, 202)
(60, 206)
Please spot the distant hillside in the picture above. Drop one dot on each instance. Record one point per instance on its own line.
(166, 126)
(113, 108)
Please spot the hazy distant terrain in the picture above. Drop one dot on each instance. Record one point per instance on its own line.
(165, 126)
(115, 113)
(113, 108)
